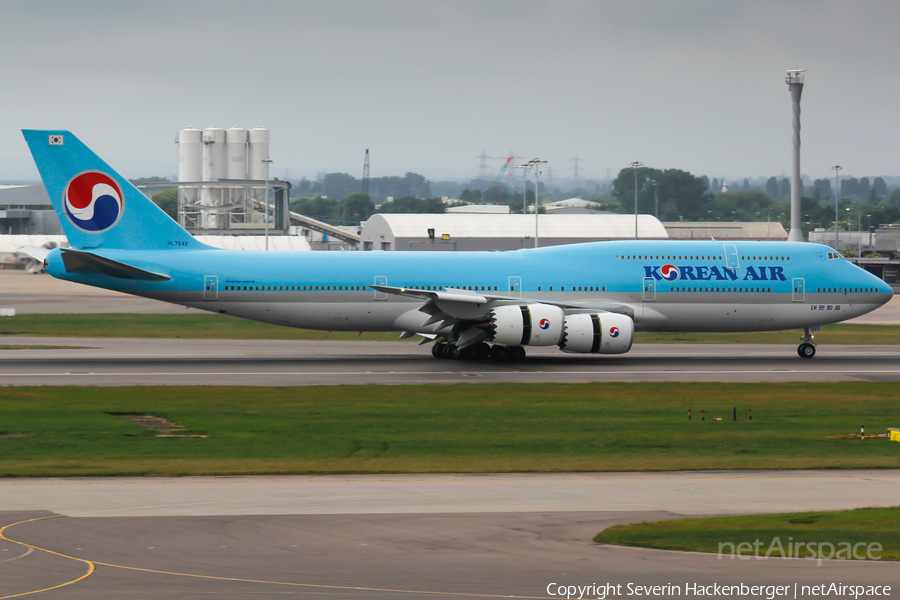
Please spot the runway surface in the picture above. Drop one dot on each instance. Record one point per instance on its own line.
(399, 536)
(104, 361)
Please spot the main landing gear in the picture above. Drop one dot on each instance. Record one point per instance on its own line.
(808, 348)
(480, 351)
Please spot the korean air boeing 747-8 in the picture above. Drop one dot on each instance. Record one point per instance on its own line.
(584, 298)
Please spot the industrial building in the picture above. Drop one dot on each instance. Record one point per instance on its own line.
(885, 239)
(877, 252)
(25, 210)
(572, 206)
(746, 230)
(500, 232)
(223, 179)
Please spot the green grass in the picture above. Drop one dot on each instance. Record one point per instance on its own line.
(867, 525)
(831, 334)
(446, 428)
(212, 326)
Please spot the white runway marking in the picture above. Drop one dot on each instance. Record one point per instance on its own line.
(463, 373)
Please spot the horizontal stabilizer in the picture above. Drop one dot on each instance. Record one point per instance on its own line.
(80, 261)
(39, 254)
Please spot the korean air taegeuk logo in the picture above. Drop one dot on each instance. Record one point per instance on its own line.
(93, 201)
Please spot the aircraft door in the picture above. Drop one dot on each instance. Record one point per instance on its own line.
(731, 256)
(649, 289)
(799, 295)
(515, 287)
(210, 287)
(380, 280)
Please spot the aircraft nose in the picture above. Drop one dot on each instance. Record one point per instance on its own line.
(883, 291)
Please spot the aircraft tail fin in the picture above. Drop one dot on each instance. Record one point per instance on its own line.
(97, 207)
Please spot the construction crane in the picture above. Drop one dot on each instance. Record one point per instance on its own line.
(499, 176)
(496, 182)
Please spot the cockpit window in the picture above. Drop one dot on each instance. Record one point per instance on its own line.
(834, 255)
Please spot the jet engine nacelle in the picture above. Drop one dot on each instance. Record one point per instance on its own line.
(526, 325)
(598, 333)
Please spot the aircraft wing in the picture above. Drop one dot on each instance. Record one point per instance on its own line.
(452, 306)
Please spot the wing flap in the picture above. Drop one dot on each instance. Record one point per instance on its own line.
(455, 296)
(453, 305)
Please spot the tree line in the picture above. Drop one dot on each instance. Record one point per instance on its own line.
(341, 185)
(670, 194)
(675, 195)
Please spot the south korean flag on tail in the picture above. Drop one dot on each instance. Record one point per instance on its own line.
(56, 140)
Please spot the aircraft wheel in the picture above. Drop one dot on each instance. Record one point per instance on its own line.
(482, 351)
(452, 351)
(517, 354)
(437, 350)
(806, 350)
(499, 353)
(468, 353)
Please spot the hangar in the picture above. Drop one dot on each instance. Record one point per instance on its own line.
(24, 211)
(500, 232)
(740, 230)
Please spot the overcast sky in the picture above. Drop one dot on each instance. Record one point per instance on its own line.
(427, 85)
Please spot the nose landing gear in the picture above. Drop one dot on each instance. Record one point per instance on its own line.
(808, 348)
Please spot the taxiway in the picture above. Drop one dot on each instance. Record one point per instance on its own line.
(398, 536)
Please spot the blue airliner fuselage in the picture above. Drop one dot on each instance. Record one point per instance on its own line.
(581, 297)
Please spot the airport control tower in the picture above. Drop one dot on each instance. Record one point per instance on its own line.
(795, 85)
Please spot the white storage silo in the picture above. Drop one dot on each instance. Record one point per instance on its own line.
(190, 154)
(190, 159)
(236, 153)
(214, 163)
(258, 149)
(215, 167)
